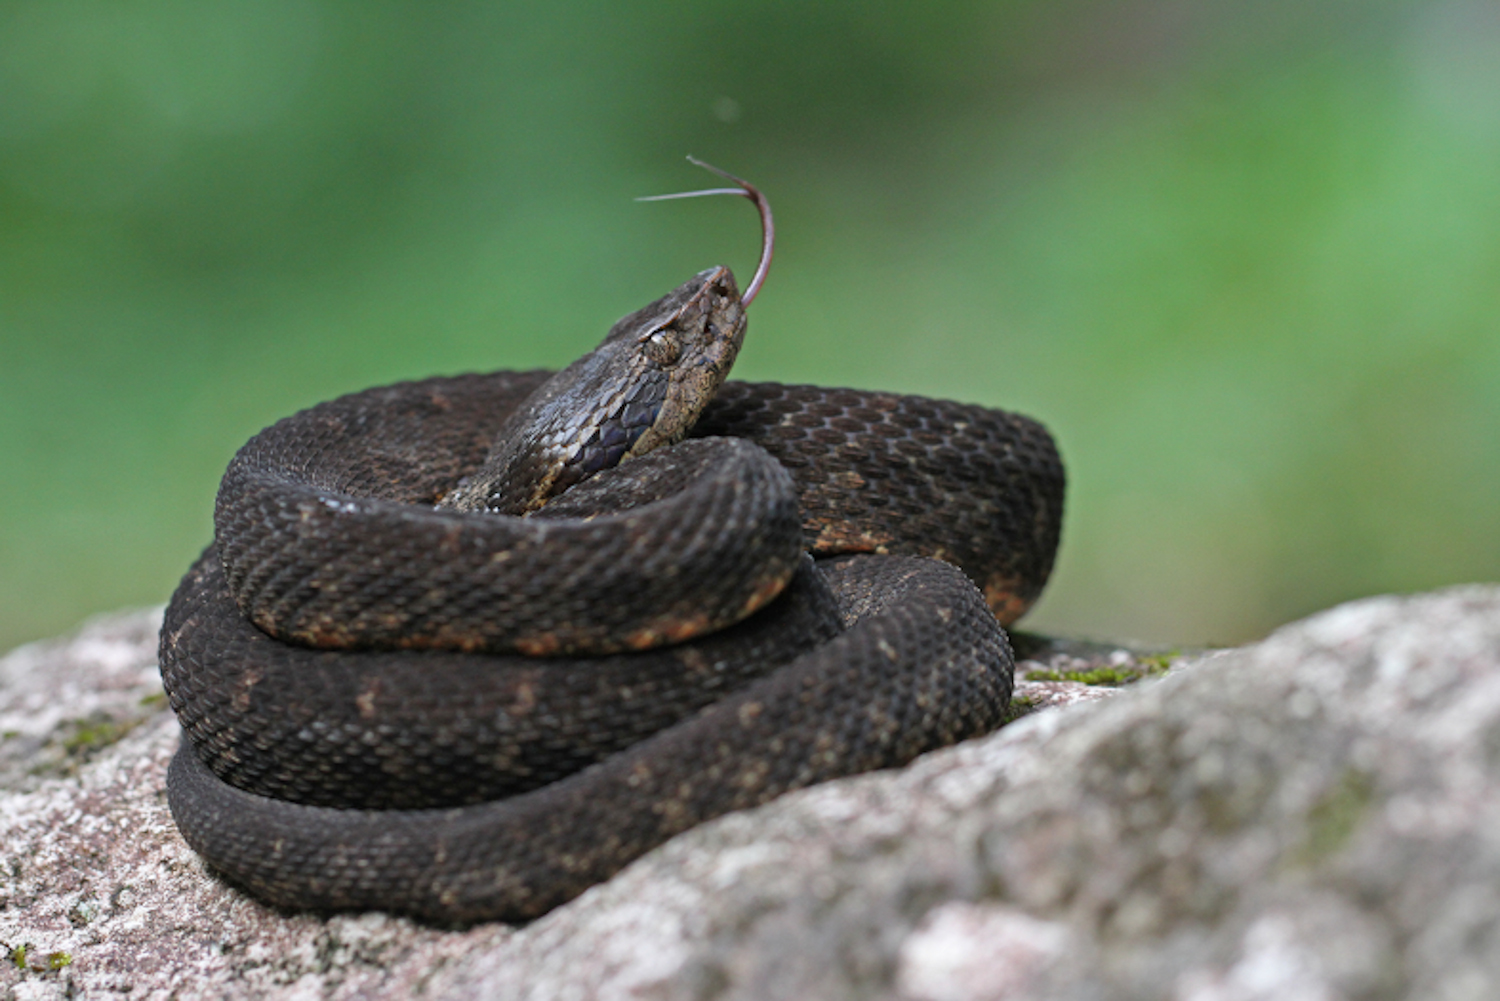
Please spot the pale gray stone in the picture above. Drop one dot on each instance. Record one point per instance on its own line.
(1313, 817)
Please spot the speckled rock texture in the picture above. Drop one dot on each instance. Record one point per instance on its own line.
(1315, 817)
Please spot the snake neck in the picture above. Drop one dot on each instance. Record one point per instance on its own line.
(641, 388)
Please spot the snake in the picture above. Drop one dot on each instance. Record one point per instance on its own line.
(464, 647)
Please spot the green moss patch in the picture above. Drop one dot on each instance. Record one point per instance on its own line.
(1109, 675)
(93, 733)
(24, 957)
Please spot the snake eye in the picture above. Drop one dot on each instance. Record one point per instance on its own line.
(662, 347)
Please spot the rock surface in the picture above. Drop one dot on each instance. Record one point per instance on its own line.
(1313, 817)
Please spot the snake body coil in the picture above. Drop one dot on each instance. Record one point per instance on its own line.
(354, 661)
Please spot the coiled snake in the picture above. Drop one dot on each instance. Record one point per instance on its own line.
(398, 692)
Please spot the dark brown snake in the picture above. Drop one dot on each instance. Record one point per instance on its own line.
(394, 697)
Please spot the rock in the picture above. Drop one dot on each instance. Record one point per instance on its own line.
(62, 701)
(1311, 817)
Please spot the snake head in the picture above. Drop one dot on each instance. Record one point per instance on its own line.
(691, 337)
(641, 388)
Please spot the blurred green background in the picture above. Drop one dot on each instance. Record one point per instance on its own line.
(1242, 257)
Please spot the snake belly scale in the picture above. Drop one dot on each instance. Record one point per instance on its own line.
(394, 695)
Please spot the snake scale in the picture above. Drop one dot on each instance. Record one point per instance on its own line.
(414, 674)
